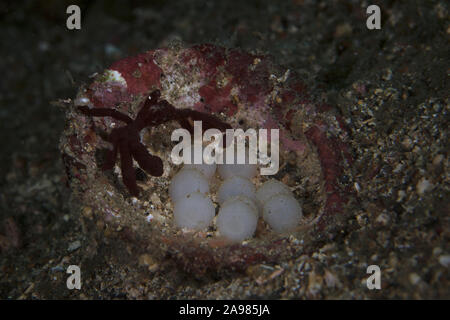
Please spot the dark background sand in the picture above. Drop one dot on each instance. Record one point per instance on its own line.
(391, 85)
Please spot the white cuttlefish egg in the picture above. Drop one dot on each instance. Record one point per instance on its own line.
(235, 186)
(237, 218)
(282, 212)
(194, 211)
(270, 188)
(245, 170)
(208, 170)
(187, 181)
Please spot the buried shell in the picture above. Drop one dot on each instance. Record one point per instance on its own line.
(239, 88)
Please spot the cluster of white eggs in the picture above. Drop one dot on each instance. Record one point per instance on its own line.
(240, 203)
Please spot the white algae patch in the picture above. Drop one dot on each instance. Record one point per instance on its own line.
(114, 76)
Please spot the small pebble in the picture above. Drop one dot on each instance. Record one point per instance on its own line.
(74, 246)
(444, 260)
(423, 186)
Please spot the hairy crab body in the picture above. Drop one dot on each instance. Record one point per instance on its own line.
(238, 88)
(126, 141)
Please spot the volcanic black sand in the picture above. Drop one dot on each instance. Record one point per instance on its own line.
(391, 86)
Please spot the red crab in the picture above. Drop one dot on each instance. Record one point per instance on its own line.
(126, 140)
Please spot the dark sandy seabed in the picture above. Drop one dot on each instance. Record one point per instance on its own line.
(390, 85)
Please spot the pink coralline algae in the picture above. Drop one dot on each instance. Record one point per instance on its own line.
(227, 87)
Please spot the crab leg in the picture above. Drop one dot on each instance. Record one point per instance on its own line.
(153, 165)
(104, 112)
(128, 172)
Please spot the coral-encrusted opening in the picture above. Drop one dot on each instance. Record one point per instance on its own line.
(224, 88)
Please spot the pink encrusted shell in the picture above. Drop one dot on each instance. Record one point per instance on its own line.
(236, 86)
